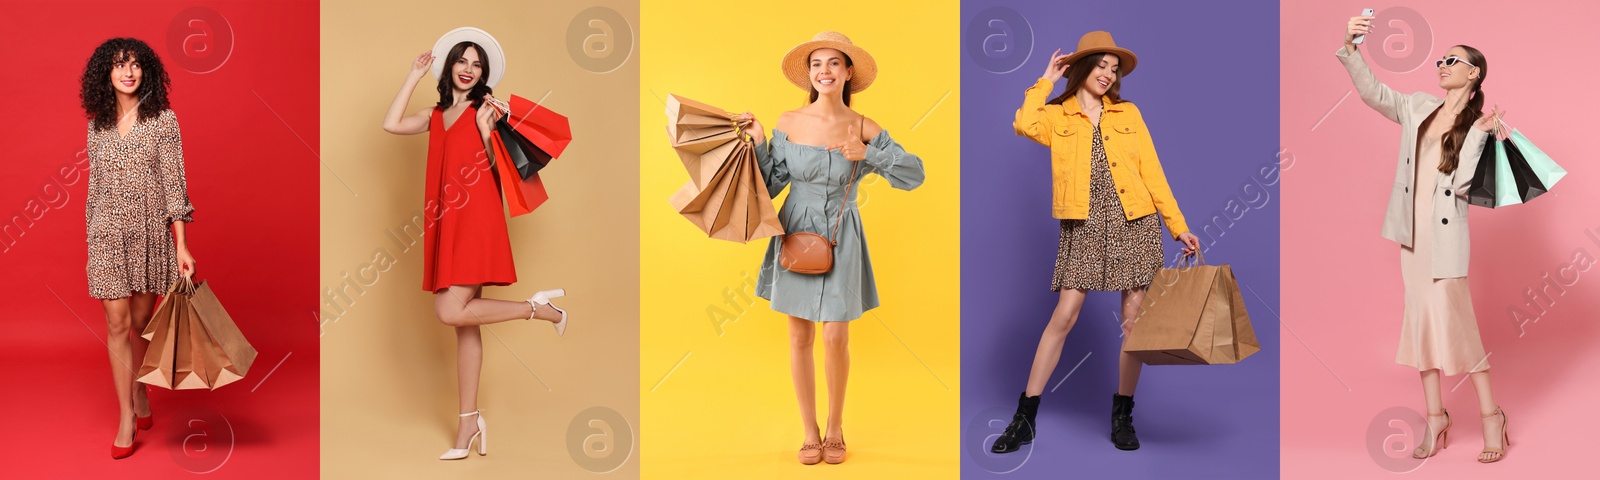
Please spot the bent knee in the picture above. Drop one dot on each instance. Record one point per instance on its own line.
(453, 317)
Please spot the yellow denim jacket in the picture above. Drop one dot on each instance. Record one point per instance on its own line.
(1140, 183)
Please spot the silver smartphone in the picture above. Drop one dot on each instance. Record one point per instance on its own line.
(1360, 38)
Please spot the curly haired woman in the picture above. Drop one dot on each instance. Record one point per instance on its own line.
(136, 209)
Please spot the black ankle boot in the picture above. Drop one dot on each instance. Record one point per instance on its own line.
(1020, 431)
(1122, 423)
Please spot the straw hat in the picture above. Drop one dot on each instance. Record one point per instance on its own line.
(1099, 41)
(491, 49)
(796, 63)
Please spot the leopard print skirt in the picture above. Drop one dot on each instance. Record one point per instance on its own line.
(1106, 251)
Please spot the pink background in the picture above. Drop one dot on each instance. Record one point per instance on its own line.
(1341, 282)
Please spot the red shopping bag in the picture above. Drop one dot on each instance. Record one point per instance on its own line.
(523, 196)
(547, 129)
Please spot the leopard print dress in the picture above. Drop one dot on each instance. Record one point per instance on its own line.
(136, 190)
(1106, 251)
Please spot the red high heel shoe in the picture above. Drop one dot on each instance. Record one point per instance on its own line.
(118, 453)
(145, 422)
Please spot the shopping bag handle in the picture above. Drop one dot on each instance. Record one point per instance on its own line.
(739, 127)
(1195, 260)
(183, 286)
(504, 107)
(1500, 127)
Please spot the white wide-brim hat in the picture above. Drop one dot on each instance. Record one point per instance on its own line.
(491, 48)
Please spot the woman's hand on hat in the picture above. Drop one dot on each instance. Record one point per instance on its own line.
(420, 66)
(851, 148)
(752, 127)
(1358, 25)
(1057, 66)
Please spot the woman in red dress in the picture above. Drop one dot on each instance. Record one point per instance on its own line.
(465, 244)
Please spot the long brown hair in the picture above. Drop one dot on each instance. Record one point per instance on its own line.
(1469, 115)
(1078, 74)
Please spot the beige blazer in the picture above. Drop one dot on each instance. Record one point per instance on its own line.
(1451, 242)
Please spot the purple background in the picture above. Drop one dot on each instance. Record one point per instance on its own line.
(1207, 83)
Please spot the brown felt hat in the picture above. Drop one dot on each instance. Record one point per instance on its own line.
(1099, 41)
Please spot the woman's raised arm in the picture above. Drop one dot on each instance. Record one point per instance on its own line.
(395, 120)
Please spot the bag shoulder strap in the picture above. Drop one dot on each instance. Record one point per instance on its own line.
(855, 165)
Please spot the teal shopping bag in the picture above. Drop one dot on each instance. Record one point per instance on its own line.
(1541, 165)
(1505, 187)
(1513, 171)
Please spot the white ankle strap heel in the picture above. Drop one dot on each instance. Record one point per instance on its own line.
(543, 298)
(480, 436)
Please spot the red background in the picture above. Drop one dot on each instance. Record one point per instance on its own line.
(250, 132)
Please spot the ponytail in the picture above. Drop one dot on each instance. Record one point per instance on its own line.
(1453, 139)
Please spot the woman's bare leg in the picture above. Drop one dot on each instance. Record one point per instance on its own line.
(118, 345)
(802, 368)
(1435, 404)
(469, 363)
(452, 307)
(1055, 335)
(463, 305)
(140, 307)
(1493, 426)
(836, 344)
(1127, 366)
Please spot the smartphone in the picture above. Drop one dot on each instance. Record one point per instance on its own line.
(1359, 38)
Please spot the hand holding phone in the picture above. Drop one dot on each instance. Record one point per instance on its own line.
(1363, 25)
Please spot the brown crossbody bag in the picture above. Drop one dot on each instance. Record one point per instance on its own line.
(812, 253)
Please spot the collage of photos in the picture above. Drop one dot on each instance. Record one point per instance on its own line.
(829, 239)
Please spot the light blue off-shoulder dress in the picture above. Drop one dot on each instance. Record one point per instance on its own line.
(816, 178)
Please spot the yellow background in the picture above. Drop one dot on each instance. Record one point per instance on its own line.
(388, 366)
(717, 400)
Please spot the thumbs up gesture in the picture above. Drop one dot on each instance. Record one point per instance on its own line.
(852, 148)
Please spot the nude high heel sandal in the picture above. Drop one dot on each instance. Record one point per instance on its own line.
(480, 436)
(543, 298)
(1505, 439)
(1440, 439)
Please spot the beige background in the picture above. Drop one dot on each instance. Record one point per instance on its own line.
(388, 367)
